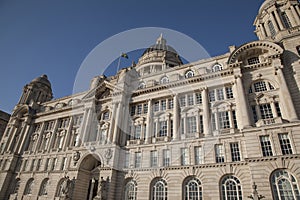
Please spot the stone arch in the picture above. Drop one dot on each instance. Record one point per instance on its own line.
(259, 47)
(90, 162)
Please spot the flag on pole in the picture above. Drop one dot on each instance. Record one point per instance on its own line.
(124, 55)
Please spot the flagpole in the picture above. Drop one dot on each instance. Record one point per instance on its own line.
(119, 63)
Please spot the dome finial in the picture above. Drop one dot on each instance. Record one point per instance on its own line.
(161, 40)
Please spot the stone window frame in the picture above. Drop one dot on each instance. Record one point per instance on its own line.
(285, 143)
(130, 192)
(29, 187)
(219, 153)
(216, 67)
(231, 181)
(192, 188)
(153, 158)
(166, 157)
(282, 174)
(198, 155)
(189, 74)
(266, 146)
(184, 156)
(159, 186)
(43, 188)
(235, 151)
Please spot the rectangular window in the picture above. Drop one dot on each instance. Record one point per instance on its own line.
(255, 118)
(163, 128)
(132, 110)
(54, 161)
(229, 93)
(153, 159)
(182, 126)
(220, 94)
(166, 157)
(266, 145)
(105, 115)
(156, 106)
(201, 123)
(137, 160)
(286, 20)
(220, 155)
(253, 60)
(25, 165)
(198, 98)
(39, 163)
(139, 109)
(213, 122)
(63, 123)
(234, 119)
(212, 96)
(163, 104)
(191, 124)
(145, 108)
(223, 118)
(266, 111)
(198, 155)
(285, 144)
(171, 127)
(182, 101)
(33, 165)
(278, 109)
(260, 86)
(170, 104)
(47, 164)
(190, 99)
(127, 160)
(235, 152)
(271, 28)
(137, 132)
(63, 163)
(184, 156)
(78, 120)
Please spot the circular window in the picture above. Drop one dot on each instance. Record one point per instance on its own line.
(189, 74)
(164, 80)
(141, 85)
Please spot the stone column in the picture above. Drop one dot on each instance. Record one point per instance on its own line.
(21, 143)
(285, 97)
(176, 120)
(169, 125)
(40, 138)
(117, 121)
(206, 113)
(241, 103)
(291, 18)
(52, 137)
(68, 134)
(149, 123)
(112, 123)
(295, 14)
(274, 111)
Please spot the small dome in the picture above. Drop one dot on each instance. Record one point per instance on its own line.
(42, 79)
(161, 45)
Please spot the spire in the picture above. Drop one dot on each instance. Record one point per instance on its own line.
(161, 40)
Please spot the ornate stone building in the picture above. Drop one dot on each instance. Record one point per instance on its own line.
(162, 129)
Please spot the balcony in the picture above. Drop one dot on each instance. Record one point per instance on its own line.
(270, 121)
(135, 142)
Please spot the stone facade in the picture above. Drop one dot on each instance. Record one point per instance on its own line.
(226, 127)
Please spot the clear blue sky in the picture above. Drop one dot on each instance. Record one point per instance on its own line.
(54, 36)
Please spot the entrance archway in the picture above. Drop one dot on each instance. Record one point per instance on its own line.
(88, 178)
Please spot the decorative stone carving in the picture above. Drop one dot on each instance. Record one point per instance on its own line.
(108, 155)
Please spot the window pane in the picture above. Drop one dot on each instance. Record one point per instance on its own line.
(235, 152)
(266, 145)
(219, 151)
(285, 144)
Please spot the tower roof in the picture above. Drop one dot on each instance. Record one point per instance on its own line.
(42, 79)
(160, 45)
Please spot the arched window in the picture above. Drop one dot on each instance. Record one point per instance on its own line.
(192, 189)
(159, 190)
(216, 68)
(164, 80)
(59, 189)
(29, 187)
(189, 74)
(16, 186)
(284, 185)
(44, 187)
(130, 190)
(231, 188)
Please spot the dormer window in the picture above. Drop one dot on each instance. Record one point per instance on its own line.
(216, 68)
(164, 80)
(189, 74)
(271, 28)
(286, 20)
(253, 61)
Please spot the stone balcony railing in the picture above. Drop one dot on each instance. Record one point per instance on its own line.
(270, 121)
